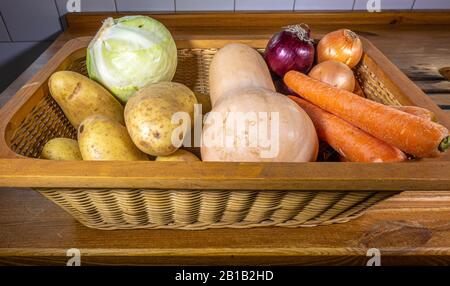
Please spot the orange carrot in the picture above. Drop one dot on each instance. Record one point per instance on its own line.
(348, 140)
(414, 110)
(417, 111)
(409, 133)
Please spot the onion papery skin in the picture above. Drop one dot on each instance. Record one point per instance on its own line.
(287, 51)
(342, 45)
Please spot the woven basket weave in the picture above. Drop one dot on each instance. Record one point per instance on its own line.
(192, 209)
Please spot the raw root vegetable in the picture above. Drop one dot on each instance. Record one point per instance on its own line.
(411, 134)
(414, 110)
(290, 49)
(417, 111)
(334, 73)
(150, 117)
(348, 140)
(179, 156)
(342, 45)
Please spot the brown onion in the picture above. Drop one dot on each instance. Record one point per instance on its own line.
(342, 45)
(334, 73)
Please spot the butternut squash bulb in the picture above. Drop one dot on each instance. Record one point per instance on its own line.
(237, 66)
(258, 125)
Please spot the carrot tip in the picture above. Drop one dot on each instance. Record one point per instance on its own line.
(445, 144)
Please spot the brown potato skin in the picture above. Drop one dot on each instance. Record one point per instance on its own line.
(64, 149)
(179, 155)
(80, 97)
(101, 138)
(149, 112)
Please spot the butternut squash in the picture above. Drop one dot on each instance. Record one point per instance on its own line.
(258, 125)
(237, 66)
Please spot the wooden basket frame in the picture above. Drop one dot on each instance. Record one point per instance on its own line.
(17, 171)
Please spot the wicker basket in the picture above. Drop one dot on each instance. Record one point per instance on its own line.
(33, 118)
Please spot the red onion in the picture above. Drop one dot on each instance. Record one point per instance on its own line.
(290, 49)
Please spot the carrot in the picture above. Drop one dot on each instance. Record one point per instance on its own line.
(349, 141)
(414, 110)
(417, 111)
(409, 133)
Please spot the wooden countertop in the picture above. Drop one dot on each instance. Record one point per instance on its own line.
(411, 228)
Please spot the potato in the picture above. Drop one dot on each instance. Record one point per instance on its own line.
(179, 155)
(80, 97)
(101, 138)
(148, 116)
(61, 149)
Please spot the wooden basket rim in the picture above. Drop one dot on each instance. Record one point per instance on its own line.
(18, 171)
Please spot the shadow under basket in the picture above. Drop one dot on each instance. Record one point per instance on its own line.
(252, 195)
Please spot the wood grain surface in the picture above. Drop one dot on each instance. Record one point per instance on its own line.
(411, 228)
(234, 176)
(407, 228)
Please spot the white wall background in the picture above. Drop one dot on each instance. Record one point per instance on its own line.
(27, 27)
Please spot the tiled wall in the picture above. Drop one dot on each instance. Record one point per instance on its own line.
(27, 27)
